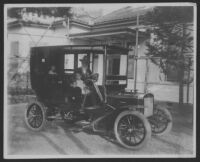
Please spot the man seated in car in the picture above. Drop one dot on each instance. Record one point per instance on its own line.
(81, 74)
(84, 70)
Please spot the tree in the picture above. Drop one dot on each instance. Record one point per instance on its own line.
(171, 41)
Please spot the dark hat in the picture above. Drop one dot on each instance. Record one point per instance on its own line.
(85, 59)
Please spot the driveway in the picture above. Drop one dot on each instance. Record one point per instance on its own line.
(59, 139)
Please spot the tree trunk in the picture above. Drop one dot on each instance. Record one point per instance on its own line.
(181, 86)
(181, 71)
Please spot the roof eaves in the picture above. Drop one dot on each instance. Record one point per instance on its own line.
(128, 22)
(13, 23)
(124, 30)
(81, 24)
(73, 21)
(20, 22)
(54, 25)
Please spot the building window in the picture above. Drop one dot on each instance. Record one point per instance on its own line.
(14, 48)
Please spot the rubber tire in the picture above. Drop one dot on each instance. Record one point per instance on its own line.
(169, 126)
(146, 125)
(44, 122)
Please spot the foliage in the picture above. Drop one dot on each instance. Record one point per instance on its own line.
(170, 14)
(50, 11)
(171, 40)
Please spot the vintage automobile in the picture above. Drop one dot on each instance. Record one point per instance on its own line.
(131, 116)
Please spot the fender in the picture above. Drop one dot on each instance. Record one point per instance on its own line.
(110, 118)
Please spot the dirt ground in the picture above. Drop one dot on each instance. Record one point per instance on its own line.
(58, 139)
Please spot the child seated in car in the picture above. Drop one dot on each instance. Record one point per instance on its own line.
(80, 83)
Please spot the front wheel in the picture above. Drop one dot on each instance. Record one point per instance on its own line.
(161, 121)
(35, 116)
(132, 129)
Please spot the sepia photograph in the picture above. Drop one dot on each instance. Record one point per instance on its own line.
(106, 80)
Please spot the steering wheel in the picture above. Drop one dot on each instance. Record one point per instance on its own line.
(94, 77)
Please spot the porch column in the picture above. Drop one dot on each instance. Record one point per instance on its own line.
(146, 75)
(104, 71)
(136, 54)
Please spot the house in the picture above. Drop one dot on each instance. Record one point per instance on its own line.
(117, 28)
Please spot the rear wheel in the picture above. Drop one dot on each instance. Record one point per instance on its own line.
(161, 121)
(35, 116)
(132, 129)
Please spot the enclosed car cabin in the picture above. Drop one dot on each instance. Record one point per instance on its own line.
(109, 62)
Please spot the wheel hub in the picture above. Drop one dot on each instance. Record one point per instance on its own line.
(35, 115)
(130, 130)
